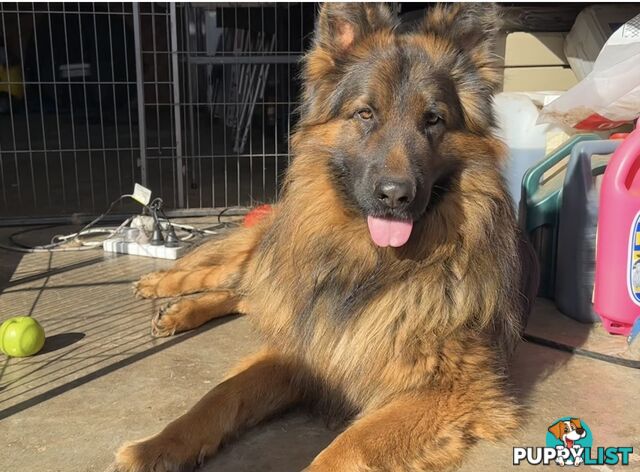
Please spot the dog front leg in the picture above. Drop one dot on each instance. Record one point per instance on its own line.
(189, 313)
(421, 432)
(215, 265)
(262, 387)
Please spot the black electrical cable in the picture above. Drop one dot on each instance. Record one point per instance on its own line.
(156, 205)
(12, 236)
(157, 202)
(582, 352)
(90, 224)
(224, 210)
(78, 234)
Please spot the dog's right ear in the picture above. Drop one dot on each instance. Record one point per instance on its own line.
(339, 28)
(341, 25)
(557, 429)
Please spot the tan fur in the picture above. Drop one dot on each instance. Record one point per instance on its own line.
(186, 441)
(410, 343)
(189, 313)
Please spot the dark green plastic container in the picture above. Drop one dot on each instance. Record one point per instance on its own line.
(539, 209)
(577, 221)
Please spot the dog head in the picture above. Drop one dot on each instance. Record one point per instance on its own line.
(568, 431)
(391, 108)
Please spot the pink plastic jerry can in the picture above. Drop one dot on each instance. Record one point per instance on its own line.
(617, 284)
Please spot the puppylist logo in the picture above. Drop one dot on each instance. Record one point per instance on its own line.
(569, 442)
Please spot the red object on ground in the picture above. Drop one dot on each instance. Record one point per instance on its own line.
(619, 136)
(256, 215)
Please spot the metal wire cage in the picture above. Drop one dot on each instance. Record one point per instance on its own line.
(194, 101)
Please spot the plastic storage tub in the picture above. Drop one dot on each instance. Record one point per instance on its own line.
(577, 220)
(516, 115)
(539, 206)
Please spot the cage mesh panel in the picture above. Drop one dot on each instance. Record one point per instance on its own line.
(205, 123)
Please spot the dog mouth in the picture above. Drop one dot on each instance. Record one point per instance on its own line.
(387, 232)
(569, 443)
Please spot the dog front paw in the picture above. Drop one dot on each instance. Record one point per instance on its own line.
(155, 455)
(147, 286)
(165, 322)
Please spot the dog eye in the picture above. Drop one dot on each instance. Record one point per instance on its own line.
(365, 113)
(431, 119)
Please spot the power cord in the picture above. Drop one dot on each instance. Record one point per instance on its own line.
(157, 239)
(581, 352)
(75, 241)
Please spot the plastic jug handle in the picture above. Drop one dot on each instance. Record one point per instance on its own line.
(627, 154)
(533, 175)
(585, 151)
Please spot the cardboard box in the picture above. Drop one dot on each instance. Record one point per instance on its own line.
(532, 49)
(535, 79)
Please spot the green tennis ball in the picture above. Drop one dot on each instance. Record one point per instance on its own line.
(21, 336)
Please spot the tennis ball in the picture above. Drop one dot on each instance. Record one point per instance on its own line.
(21, 336)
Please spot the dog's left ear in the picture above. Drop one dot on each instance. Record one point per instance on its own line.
(576, 422)
(470, 29)
(341, 25)
(468, 25)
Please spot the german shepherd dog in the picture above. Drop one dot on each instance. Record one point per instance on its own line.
(390, 282)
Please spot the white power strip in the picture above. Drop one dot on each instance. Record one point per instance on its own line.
(136, 249)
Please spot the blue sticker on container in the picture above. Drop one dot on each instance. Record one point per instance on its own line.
(634, 260)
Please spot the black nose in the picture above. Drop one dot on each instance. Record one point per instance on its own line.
(580, 431)
(395, 193)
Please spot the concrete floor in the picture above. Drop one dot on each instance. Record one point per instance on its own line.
(101, 379)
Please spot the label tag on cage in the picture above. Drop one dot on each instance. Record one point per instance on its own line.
(141, 194)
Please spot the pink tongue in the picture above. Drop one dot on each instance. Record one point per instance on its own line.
(386, 232)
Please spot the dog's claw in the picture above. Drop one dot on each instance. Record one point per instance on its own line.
(141, 291)
(136, 290)
(147, 286)
(189, 467)
(153, 456)
(160, 329)
(112, 468)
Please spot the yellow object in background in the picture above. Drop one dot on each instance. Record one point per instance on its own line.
(11, 81)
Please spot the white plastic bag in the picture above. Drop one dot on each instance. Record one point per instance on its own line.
(610, 95)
